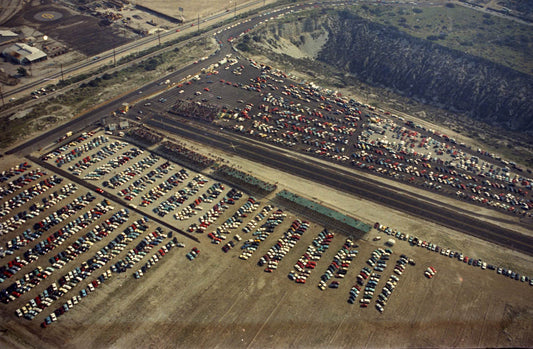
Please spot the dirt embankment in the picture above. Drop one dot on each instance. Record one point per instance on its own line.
(413, 67)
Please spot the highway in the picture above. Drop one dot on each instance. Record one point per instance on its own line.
(331, 176)
(129, 47)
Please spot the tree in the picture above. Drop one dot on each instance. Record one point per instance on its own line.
(22, 71)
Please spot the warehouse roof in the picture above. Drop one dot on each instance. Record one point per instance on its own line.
(24, 53)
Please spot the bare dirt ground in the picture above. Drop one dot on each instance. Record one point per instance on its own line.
(202, 8)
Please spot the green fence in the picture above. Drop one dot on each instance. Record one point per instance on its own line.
(318, 208)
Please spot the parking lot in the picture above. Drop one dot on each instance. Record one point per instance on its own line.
(86, 267)
(303, 117)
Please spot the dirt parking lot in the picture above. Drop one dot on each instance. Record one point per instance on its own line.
(220, 300)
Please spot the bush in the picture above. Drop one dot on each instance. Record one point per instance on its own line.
(417, 10)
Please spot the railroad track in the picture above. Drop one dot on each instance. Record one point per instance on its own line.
(354, 184)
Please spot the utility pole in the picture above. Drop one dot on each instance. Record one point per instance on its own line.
(2, 95)
(62, 72)
(198, 21)
(114, 58)
(159, 37)
(235, 11)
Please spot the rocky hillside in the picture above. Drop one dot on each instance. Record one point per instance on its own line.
(413, 67)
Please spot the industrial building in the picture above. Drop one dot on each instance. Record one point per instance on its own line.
(24, 54)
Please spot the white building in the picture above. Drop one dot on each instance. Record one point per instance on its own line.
(24, 54)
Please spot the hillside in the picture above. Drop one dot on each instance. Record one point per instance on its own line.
(421, 69)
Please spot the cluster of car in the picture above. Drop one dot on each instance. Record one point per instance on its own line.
(146, 245)
(214, 213)
(14, 171)
(161, 189)
(112, 164)
(75, 300)
(258, 218)
(386, 292)
(73, 151)
(67, 148)
(102, 154)
(35, 209)
(307, 262)
(137, 253)
(87, 268)
(139, 185)
(47, 223)
(20, 182)
(192, 188)
(129, 173)
(233, 222)
(378, 259)
(193, 253)
(42, 248)
(318, 121)
(175, 200)
(430, 272)
(289, 239)
(446, 252)
(29, 194)
(339, 265)
(251, 245)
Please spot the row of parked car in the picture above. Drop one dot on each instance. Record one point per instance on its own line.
(284, 244)
(446, 252)
(44, 247)
(87, 268)
(307, 262)
(103, 153)
(21, 181)
(261, 233)
(20, 218)
(339, 265)
(29, 194)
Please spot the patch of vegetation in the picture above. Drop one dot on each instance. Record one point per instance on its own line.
(498, 39)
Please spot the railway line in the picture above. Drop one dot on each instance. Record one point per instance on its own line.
(354, 184)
